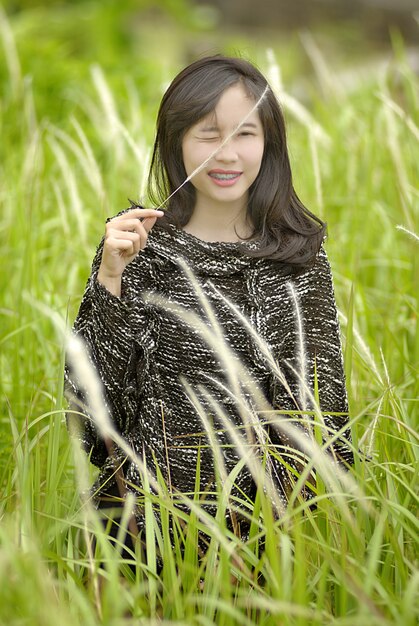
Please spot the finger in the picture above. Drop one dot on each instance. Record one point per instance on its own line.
(139, 214)
(133, 228)
(121, 246)
(143, 229)
(148, 223)
(122, 234)
(124, 227)
(131, 223)
(121, 239)
(138, 237)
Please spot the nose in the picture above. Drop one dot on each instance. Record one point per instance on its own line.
(226, 153)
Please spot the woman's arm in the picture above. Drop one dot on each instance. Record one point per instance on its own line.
(103, 323)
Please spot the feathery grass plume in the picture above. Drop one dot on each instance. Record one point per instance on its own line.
(318, 458)
(224, 481)
(250, 453)
(316, 133)
(301, 353)
(78, 359)
(363, 350)
(328, 81)
(145, 164)
(411, 234)
(402, 114)
(90, 523)
(259, 343)
(398, 159)
(321, 457)
(333, 475)
(71, 184)
(236, 374)
(97, 411)
(233, 374)
(219, 464)
(11, 53)
(34, 153)
(109, 110)
(84, 155)
(251, 403)
(292, 105)
(140, 151)
(61, 207)
(119, 134)
(314, 151)
(385, 368)
(301, 374)
(369, 436)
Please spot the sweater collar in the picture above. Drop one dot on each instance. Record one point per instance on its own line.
(203, 257)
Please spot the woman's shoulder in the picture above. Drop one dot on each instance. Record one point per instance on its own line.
(318, 268)
(277, 275)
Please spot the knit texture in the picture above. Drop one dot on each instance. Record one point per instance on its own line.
(162, 338)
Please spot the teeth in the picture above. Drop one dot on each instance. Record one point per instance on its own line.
(224, 176)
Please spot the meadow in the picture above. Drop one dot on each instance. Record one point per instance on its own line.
(75, 144)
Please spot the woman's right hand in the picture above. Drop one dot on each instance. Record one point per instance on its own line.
(125, 236)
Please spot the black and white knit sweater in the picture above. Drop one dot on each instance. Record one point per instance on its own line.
(147, 353)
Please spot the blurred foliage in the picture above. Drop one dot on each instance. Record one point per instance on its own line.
(145, 40)
(70, 37)
(79, 87)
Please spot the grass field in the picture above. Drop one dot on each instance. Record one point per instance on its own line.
(75, 143)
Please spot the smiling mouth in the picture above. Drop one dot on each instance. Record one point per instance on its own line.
(224, 178)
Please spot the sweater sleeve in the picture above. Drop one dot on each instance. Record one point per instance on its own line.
(103, 323)
(312, 357)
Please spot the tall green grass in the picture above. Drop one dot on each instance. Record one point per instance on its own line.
(353, 559)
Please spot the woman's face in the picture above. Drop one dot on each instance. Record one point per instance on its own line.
(233, 167)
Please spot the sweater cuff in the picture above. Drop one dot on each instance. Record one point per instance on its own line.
(112, 310)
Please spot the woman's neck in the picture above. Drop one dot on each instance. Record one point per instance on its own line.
(218, 224)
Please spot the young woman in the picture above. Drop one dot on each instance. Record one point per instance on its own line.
(233, 235)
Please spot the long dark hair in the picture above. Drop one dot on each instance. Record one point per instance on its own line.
(287, 231)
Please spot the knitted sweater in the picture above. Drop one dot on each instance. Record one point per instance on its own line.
(176, 343)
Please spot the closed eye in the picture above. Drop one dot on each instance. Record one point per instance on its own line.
(208, 138)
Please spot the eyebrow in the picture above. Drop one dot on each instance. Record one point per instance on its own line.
(213, 129)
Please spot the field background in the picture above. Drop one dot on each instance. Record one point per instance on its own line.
(79, 87)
